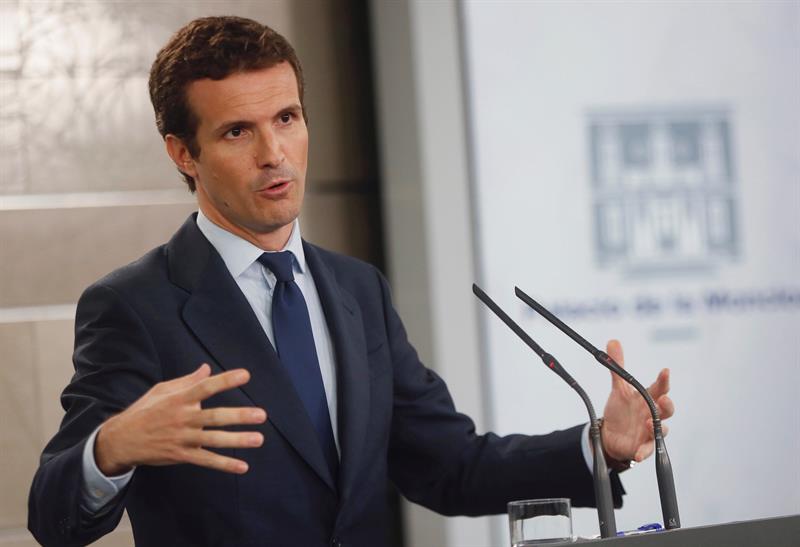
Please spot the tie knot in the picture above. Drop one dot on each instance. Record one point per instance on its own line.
(280, 264)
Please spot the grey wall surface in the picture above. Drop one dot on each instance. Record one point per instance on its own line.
(85, 186)
(429, 229)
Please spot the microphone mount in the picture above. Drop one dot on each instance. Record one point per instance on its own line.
(602, 484)
(666, 481)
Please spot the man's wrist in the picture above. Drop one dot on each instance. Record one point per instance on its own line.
(104, 452)
(98, 490)
(613, 463)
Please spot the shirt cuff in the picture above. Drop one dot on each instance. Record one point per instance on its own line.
(586, 448)
(99, 490)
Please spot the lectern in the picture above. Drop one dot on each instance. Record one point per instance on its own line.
(770, 532)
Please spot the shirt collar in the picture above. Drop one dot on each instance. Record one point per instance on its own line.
(239, 254)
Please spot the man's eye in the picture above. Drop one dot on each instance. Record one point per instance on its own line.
(286, 117)
(235, 132)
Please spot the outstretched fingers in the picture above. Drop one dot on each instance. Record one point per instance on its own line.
(660, 387)
(651, 433)
(643, 452)
(614, 350)
(222, 416)
(212, 385)
(666, 408)
(212, 460)
(184, 382)
(225, 439)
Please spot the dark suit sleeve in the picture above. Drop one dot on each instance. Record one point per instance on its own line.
(115, 363)
(437, 460)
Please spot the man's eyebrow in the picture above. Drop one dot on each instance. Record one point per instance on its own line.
(294, 107)
(225, 126)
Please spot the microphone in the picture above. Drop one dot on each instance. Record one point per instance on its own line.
(602, 484)
(666, 482)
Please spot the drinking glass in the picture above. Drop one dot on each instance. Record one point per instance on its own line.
(540, 522)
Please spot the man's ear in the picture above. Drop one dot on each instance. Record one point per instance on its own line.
(180, 155)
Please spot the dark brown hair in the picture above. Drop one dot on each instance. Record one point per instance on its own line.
(211, 47)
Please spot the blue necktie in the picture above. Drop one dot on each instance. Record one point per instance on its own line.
(294, 343)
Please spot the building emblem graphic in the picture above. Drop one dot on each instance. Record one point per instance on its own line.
(663, 189)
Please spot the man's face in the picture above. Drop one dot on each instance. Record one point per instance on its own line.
(251, 169)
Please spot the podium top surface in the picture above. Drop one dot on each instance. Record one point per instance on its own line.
(775, 532)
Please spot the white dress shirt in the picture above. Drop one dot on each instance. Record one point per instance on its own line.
(257, 283)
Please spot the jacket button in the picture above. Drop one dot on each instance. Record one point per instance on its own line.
(335, 542)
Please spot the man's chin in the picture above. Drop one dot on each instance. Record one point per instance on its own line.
(273, 224)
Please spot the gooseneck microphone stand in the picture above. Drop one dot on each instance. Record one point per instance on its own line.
(666, 482)
(602, 484)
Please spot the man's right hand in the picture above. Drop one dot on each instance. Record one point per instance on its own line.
(167, 426)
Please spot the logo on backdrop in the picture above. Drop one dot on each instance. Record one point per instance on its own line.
(663, 189)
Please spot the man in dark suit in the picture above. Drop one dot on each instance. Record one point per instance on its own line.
(240, 386)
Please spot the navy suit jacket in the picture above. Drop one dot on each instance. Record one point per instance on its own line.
(161, 316)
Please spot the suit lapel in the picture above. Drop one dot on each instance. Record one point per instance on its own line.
(344, 321)
(220, 316)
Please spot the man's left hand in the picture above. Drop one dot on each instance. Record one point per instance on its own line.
(627, 431)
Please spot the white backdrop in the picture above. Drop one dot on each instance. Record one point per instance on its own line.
(637, 171)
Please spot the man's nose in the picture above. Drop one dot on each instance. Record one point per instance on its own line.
(269, 152)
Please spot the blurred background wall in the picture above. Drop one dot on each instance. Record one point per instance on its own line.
(633, 165)
(652, 150)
